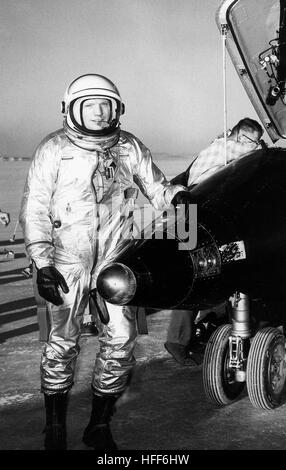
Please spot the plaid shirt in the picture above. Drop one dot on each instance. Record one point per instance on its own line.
(212, 158)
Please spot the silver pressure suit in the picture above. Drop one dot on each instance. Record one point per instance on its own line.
(75, 209)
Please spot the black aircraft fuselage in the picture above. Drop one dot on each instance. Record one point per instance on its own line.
(241, 244)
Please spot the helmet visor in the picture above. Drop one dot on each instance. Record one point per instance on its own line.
(94, 114)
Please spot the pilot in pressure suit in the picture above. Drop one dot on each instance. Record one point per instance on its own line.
(76, 209)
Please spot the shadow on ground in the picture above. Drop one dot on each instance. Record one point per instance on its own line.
(17, 241)
(164, 408)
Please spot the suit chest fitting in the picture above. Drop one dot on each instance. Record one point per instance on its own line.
(94, 175)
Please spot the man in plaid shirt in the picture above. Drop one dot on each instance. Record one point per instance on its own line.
(242, 139)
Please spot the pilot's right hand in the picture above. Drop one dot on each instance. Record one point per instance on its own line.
(182, 197)
(49, 279)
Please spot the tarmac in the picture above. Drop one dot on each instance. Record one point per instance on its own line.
(164, 407)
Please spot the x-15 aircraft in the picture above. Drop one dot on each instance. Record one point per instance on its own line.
(240, 244)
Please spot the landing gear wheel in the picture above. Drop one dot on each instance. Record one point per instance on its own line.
(218, 378)
(266, 369)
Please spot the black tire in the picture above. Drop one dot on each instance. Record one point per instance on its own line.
(266, 369)
(218, 379)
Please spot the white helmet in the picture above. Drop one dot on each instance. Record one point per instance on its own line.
(90, 86)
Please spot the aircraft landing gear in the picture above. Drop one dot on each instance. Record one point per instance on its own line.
(219, 380)
(266, 369)
(224, 366)
(230, 362)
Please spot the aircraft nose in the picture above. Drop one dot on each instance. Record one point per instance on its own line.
(116, 283)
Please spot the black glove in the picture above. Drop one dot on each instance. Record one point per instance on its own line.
(182, 197)
(48, 281)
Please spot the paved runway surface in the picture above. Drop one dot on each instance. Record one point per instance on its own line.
(164, 407)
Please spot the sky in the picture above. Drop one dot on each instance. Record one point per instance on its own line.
(165, 56)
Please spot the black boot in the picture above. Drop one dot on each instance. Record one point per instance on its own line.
(55, 430)
(97, 434)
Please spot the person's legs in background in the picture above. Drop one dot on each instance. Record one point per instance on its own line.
(190, 330)
(89, 327)
(180, 334)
